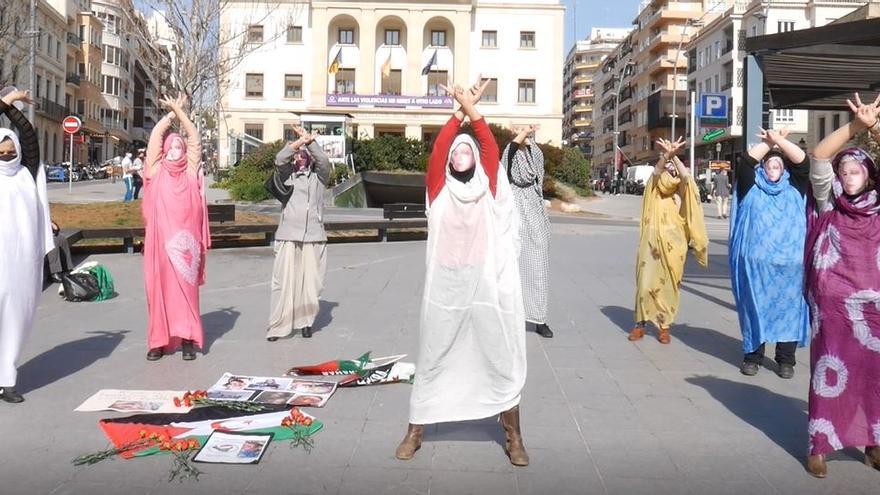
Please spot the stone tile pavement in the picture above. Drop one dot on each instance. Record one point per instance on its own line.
(600, 415)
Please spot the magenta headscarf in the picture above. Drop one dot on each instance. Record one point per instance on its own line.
(174, 166)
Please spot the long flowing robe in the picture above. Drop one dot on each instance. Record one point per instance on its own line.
(25, 238)
(472, 354)
(526, 174)
(843, 283)
(175, 247)
(767, 233)
(667, 230)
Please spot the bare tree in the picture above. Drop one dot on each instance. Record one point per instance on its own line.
(207, 51)
(14, 41)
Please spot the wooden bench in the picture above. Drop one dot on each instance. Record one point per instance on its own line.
(128, 234)
(403, 210)
(220, 213)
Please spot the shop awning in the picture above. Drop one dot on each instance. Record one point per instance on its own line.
(819, 68)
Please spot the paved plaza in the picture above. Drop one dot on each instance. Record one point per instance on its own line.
(600, 414)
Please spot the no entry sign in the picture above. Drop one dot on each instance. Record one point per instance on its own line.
(71, 124)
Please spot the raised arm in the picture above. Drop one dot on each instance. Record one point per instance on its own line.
(322, 161)
(791, 151)
(30, 146)
(154, 145)
(488, 147)
(670, 148)
(865, 117)
(435, 178)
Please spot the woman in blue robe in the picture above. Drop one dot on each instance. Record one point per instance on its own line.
(767, 234)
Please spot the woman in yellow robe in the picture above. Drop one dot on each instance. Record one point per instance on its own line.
(672, 222)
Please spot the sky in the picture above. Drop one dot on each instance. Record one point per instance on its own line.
(596, 13)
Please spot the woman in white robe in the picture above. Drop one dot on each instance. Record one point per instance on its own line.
(472, 354)
(25, 238)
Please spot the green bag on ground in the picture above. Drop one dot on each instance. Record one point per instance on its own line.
(105, 282)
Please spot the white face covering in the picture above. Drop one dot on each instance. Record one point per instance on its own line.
(463, 157)
(10, 167)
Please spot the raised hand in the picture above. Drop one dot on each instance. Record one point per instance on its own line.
(479, 87)
(21, 95)
(775, 137)
(670, 148)
(866, 114)
(764, 136)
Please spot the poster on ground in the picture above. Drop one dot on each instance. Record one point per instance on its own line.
(234, 448)
(297, 391)
(148, 401)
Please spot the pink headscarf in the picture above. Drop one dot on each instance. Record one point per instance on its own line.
(178, 165)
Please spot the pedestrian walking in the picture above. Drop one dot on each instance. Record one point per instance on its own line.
(721, 193)
(137, 168)
(127, 178)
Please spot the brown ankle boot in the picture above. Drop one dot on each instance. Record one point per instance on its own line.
(872, 457)
(663, 337)
(410, 443)
(514, 447)
(636, 334)
(816, 466)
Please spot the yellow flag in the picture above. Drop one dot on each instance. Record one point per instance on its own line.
(334, 67)
(386, 67)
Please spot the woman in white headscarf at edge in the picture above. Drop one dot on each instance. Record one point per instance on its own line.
(25, 238)
(472, 354)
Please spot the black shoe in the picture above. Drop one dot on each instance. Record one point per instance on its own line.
(271, 339)
(155, 354)
(56, 277)
(187, 350)
(10, 395)
(307, 332)
(544, 331)
(749, 368)
(785, 371)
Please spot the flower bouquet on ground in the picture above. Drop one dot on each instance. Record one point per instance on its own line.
(300, 426)
(200, 398)
(180, 449)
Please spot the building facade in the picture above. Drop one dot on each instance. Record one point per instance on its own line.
(583, 61)
(716, 66)
(373, 68)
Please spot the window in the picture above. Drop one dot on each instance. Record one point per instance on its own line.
(435, 79)
(293, 86)
(392, 83)
(708, 85)
(294, 34)
(255, 34)
(254, 130)
(835, 121)
(490, 39)
(345, 81)
(253, 85)
(821, 128)
(526, 91)
(784, 26)
(346, 36)
(58, 50)
(289, 134)
(717, 82)
(392, 37)
(438, 38)
(717, 49)
(490, 95)
(527, 39)
(784, 116)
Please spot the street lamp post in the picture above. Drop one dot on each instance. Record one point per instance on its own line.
(687, 24)
(623, 72)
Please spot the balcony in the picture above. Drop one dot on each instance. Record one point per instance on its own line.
(74, 40)
(583, 79)
(590, 66)
(51, 109)
(74, 79)
(667, 15)
(663, 63)
(665, 39)
(582, 123)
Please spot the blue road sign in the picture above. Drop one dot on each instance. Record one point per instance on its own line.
(713, 111)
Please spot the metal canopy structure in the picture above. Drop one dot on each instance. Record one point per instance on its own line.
(819, 68)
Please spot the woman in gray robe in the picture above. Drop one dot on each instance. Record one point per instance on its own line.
(300, 241)
(525, 171)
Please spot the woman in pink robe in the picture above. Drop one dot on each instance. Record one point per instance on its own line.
(177, 237)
